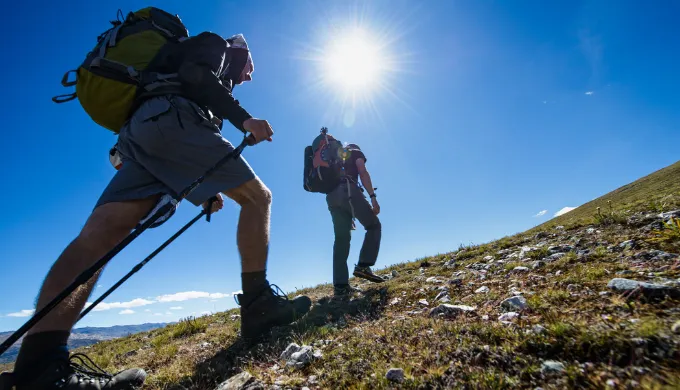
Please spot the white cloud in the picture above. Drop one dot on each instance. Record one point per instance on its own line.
(127, 311)
(23, 313)
(120, 305)
(147, 310)
(564, 210)
(590, 93)
(158, 314)
(168, 313)
(541, 213)
(176, 308)
(185, 296)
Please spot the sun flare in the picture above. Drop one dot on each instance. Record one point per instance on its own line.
(354, 62)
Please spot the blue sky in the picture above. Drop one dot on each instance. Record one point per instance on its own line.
(496, 111)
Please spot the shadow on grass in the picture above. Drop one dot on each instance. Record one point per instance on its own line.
(230, 361)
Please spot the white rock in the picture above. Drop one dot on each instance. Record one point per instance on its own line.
(515, 303)
(482, 290)
(552, 366)
(509, 316)
(520, 269)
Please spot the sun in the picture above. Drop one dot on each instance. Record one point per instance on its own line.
(354, 62)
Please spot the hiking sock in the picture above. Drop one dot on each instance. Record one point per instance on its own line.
(254, 282)
(38, 350)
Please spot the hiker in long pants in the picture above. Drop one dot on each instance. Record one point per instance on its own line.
(346, 202)
(172, 137)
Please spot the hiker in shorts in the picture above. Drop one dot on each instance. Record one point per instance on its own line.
(348, 202)
(172, 137)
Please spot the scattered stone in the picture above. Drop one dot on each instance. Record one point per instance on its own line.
(676, 327)
(648, 290)
(456, 281)
(540, 235)
(539, 329)
(482, 290)
(520, 269)
(451, 311)
(425, 264)
(395, 301)
(553, 257)
(432, 279)
(289, 351)
(488, 258)
(552, 367)
(611, 383)
(516, 303)
(485, 317)
(235, 317)
(395, 273)
(558, 273)
(395, 375)
(312, 379)
(656, 255)
(604, 293)
(538, 264)
(559, 227)
(573, 287)
(630, 244)
(443, 294)
(560, 249)
(242, 381)
(670, 214)
(591, 231)
(507, 317)
(205, 344)
(303, 357)
(424, 302)
(624, 272)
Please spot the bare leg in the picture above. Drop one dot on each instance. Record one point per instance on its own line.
(253, 224)
(105, 228)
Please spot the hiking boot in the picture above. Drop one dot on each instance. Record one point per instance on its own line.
(344, 291)
(260, 312)
(79, 372)
(364, 272)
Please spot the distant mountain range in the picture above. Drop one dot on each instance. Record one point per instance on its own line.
(81, 337)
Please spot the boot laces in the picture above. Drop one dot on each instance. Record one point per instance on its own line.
(83, 365)
(273, 289)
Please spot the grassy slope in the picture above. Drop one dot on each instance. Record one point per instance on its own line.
(658, 191)
(597, 338)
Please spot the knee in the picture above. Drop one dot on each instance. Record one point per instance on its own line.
(253, 194)
(376, 226)
(108, 225)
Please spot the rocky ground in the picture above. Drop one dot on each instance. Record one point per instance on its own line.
(591, 306)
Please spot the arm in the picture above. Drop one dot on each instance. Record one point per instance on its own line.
(366, 181)
(205, 61)
(364, 176)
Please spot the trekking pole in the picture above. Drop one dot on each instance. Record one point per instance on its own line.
(90, 272)
(153, 254)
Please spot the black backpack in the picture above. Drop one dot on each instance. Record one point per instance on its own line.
(323, 168)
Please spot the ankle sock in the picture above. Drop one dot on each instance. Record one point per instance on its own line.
(253, 282)
(38, 350)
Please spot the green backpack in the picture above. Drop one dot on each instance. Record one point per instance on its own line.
(108, 80)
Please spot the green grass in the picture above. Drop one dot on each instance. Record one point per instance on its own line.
(598, 338)
(659, 191)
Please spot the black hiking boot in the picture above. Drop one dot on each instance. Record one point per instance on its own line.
(364, 272)
(78, 372)
(260, 312)
(344, 291)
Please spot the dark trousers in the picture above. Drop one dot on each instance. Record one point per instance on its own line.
(347, 200)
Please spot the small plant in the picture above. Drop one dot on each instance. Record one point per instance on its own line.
(668, 237)
(188, 326)
(610, 217)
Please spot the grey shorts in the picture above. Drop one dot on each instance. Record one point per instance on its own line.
(166, 145)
